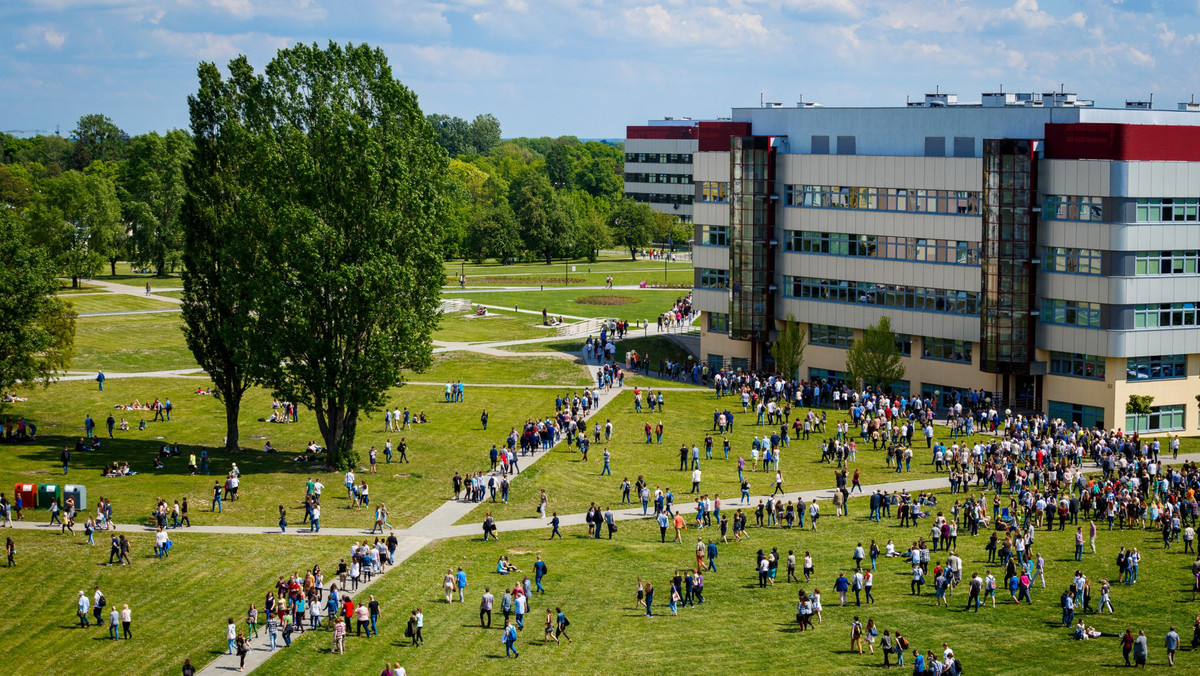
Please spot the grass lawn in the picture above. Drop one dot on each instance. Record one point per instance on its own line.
(133, 279)
(743, 628)
(465, 327)
(572, 484)
(179, 603)
(472, 367)
(117, 302)
(131, 343)
(633, 304)
(627, 275)
(453, 441)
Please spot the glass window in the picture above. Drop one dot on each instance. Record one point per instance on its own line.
(882, 199)
(714, 235)
(827, 376)
(1087, 417)
(1167, 262)
(1158, 367)
(1070, 313)
(1159, 315)
(1161, 419)
(1072, 261)
(883, 295)
(718, 323)
(945, 396)
(945, 251)
(830, 336)
(946, 349)
(711, 278)
(904, 344)
(1168, 210)
(714, 191)
(1077, 365)
(1071, 208)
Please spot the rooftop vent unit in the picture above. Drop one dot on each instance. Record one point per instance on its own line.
(1190, 106)
(1140, 105)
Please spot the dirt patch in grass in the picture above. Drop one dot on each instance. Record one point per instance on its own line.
(608, 300)
(520, 551)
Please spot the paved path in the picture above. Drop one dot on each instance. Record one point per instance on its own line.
(117, 313)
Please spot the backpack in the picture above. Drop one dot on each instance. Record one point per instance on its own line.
(102, 602)
(903, 643)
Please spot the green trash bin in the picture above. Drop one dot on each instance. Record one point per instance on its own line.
(48, 492)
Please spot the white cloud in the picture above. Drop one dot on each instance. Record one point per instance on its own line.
(699, 27)
(459, 63)
(298, 10)
(37, 35)
(219, 48)
(842, 7)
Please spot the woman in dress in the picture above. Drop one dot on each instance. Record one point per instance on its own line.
(448, 584)
(641, 595)
(550, 629)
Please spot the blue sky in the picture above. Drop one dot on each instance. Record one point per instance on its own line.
(590, 67)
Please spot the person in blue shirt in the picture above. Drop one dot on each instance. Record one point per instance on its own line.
(461, 578)
(539, 571)
(510, 639)
(712, 555)
(554, 524)
(841, 586)
(663, 522)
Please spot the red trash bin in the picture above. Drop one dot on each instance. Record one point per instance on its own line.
(28, 493)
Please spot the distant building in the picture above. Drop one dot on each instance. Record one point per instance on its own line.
(1032, 246)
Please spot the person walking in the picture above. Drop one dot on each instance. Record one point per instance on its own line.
(114, 624)
(126, 620)
(485, 608)
(561, 623)
(1171, 644)
(510, 639)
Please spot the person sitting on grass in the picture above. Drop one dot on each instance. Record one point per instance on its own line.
(124, 425)
(10, 398)
(142, 425)
(421, 419)
(504, 566)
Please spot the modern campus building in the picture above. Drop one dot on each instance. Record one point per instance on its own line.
(1032, 246)
(658, 165)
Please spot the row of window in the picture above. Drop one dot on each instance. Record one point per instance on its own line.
(883, 199)
(714, 235)
(714, 191)
(1167, 262)
(1081, 414)
(871, 246)
(1158, 367)
(681, 179)
(1077, 365)
(1156, 315)
(1074, 261)
(659, 158)
(659, 198)
(1071, 208)
(1148, 210)
(1070, 313)
(830, 336)
(1160, 419)
(712, 278)
(884, 295)
(1168, 210)
(946, 349)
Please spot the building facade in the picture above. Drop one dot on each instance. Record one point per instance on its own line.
(658, 165)
(1031, 246)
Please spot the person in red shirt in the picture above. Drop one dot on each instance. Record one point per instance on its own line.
(348, 610)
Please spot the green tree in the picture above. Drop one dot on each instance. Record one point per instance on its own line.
(874, 360)
(1140, 406)
(591, 225)
(97, 139)
(484, 134)
(38, 332)
(221, 255)
(77, 217)
(15, 191)
(631, 224)
(353, 181)
(788, 349)
(560, 167)
(533, 203)
(492, 233)
(152, 190)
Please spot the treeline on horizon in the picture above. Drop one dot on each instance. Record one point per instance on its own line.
(101, 196)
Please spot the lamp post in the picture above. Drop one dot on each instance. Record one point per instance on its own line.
(566, 265)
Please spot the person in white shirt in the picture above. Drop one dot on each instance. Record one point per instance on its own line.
(696, 480)
(160, 543)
